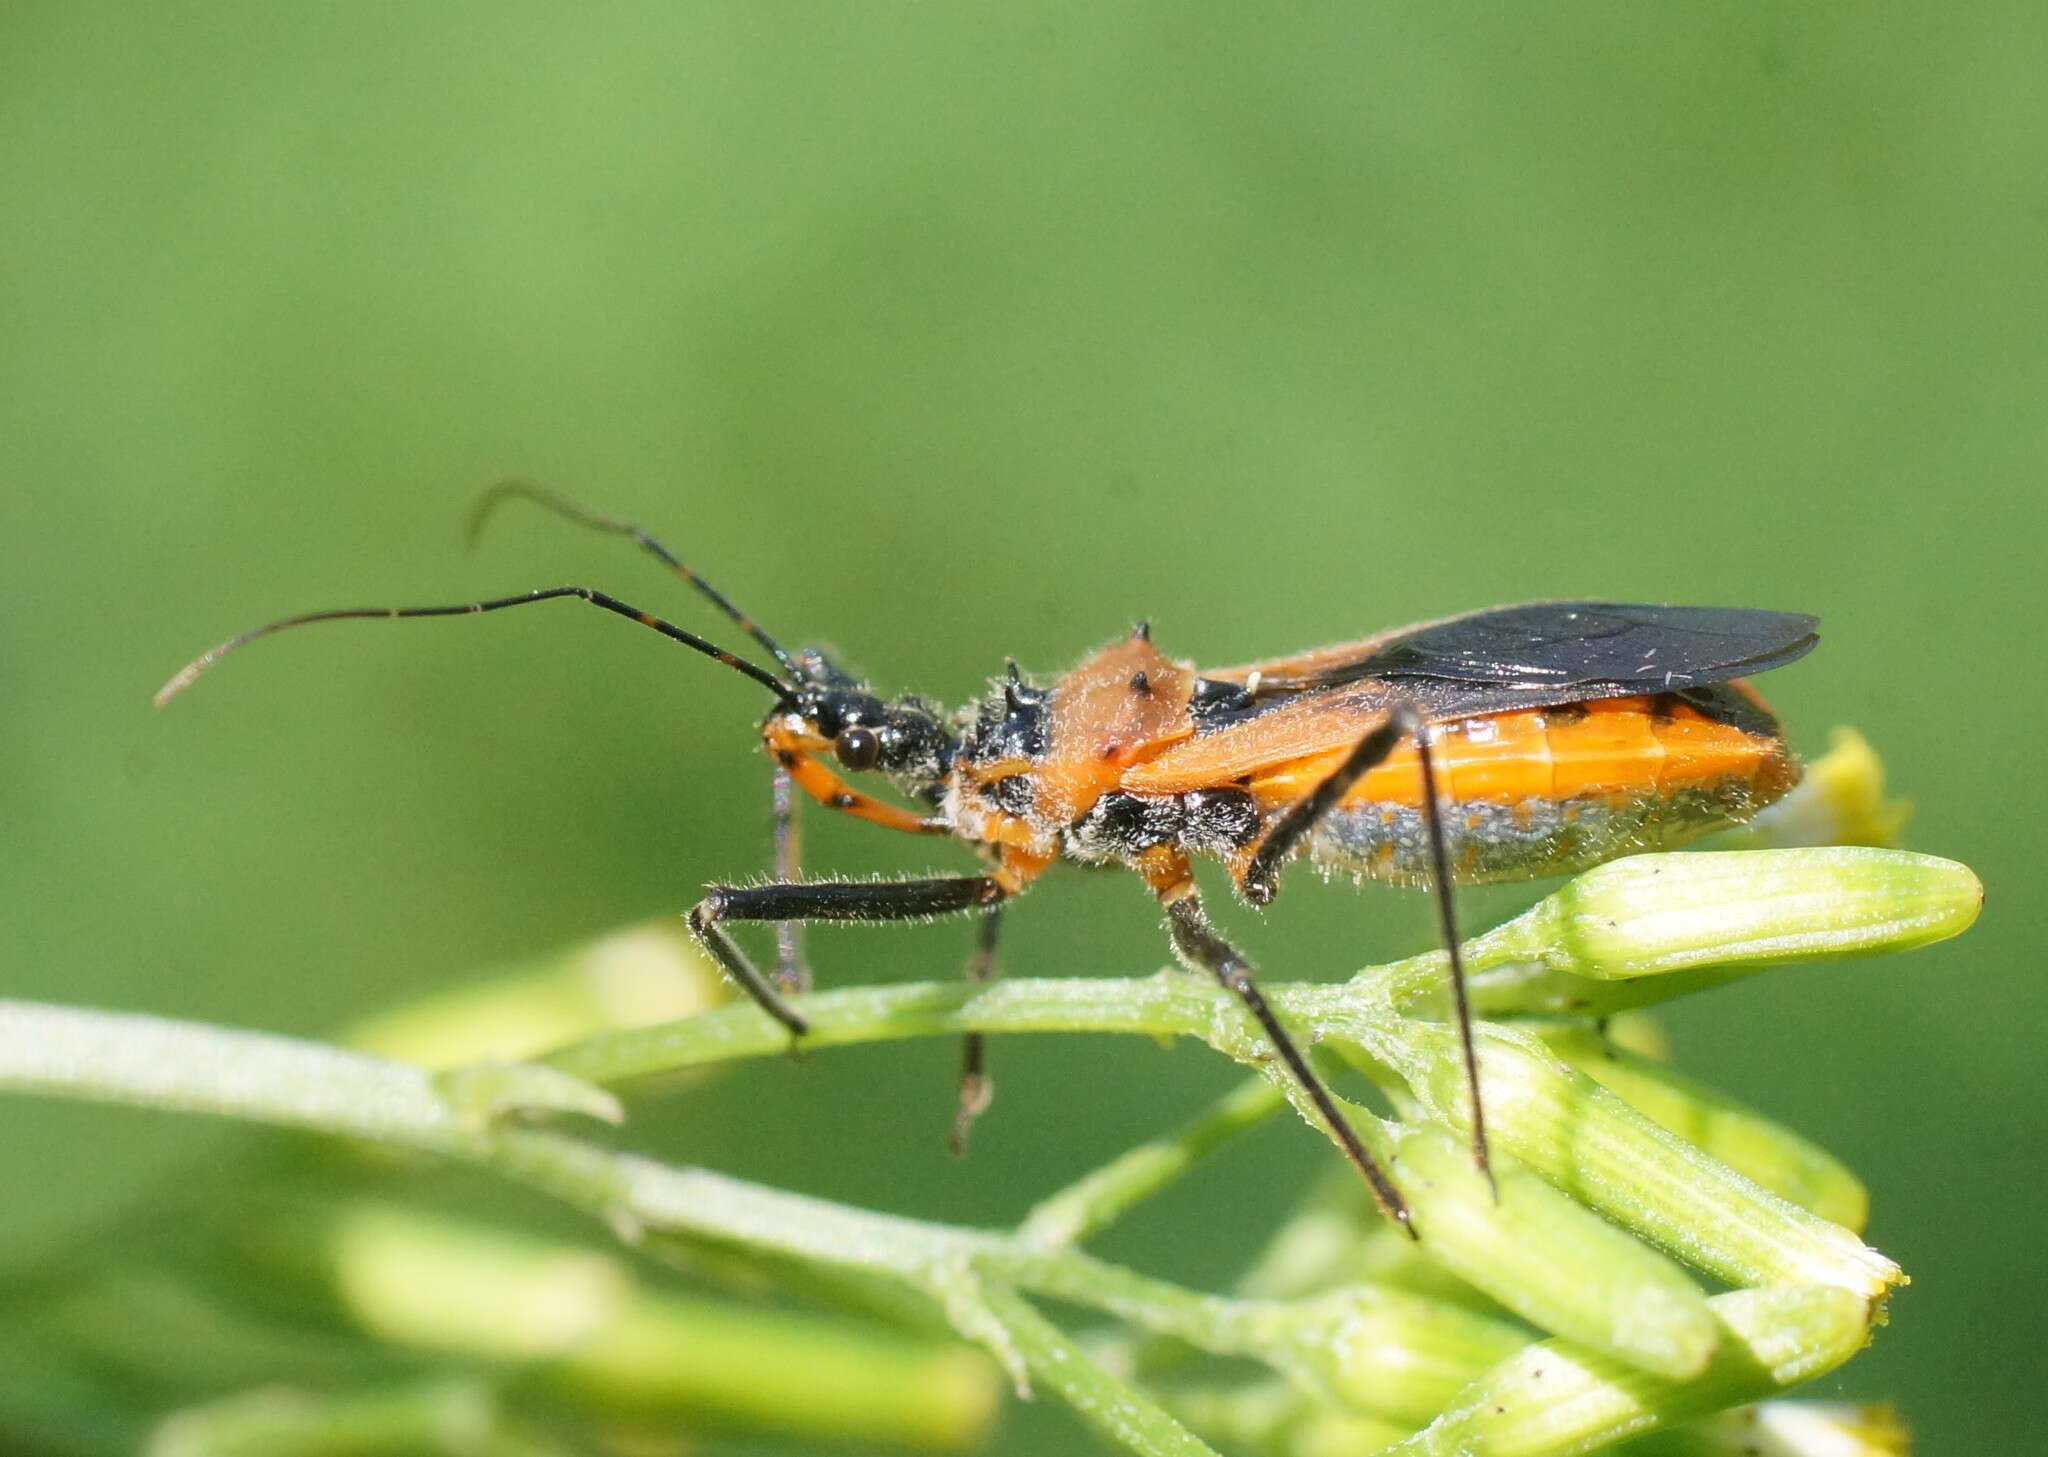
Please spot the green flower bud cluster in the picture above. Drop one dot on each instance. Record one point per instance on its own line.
(1569, 1305)
(1643, 1264)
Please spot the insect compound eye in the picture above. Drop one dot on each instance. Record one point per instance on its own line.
(857, 747)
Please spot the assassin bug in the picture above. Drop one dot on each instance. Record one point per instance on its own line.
(1499, 745)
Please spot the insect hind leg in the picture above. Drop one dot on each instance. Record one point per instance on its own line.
(1260, 879)
(1196, 943)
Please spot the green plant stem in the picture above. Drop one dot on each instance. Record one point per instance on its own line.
(1165, 1004)
(1631, 931)
(1119, 1411)
(1583, 1140)
(1100, 1197)
(152, 1062)
(1636, 1326)
(120, 1057)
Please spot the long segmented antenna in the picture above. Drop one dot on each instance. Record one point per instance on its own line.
(182, 679)
(583, 516)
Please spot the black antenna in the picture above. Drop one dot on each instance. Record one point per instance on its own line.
(583, 516)
(182, 679)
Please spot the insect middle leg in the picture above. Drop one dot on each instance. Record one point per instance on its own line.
(1260, 878)
(975, 1087)
(829, 900)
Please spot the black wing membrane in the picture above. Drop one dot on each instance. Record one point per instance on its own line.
(1552, 652)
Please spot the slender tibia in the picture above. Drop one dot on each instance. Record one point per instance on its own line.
(1196, 943)
(976, 1088)
(1447, 924)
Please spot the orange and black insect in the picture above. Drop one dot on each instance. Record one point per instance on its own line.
(1499, 745)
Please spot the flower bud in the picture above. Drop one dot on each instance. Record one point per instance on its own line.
(1774, 1156)
(436, 1284)
(1700, 918)
(1595, 1148)
(1556, 1398)
(1652, 914)
(1379, 1352)
(1549, 1259)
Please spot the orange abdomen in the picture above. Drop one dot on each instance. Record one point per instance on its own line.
(1547, 791)
(1611, 746)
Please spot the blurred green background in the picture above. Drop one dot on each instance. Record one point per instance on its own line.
(945, 333)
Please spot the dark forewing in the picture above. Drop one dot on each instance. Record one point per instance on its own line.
(1505, 659)
(1553, 652)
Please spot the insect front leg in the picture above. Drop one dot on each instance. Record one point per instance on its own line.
(830, 900)
(1260, 879)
